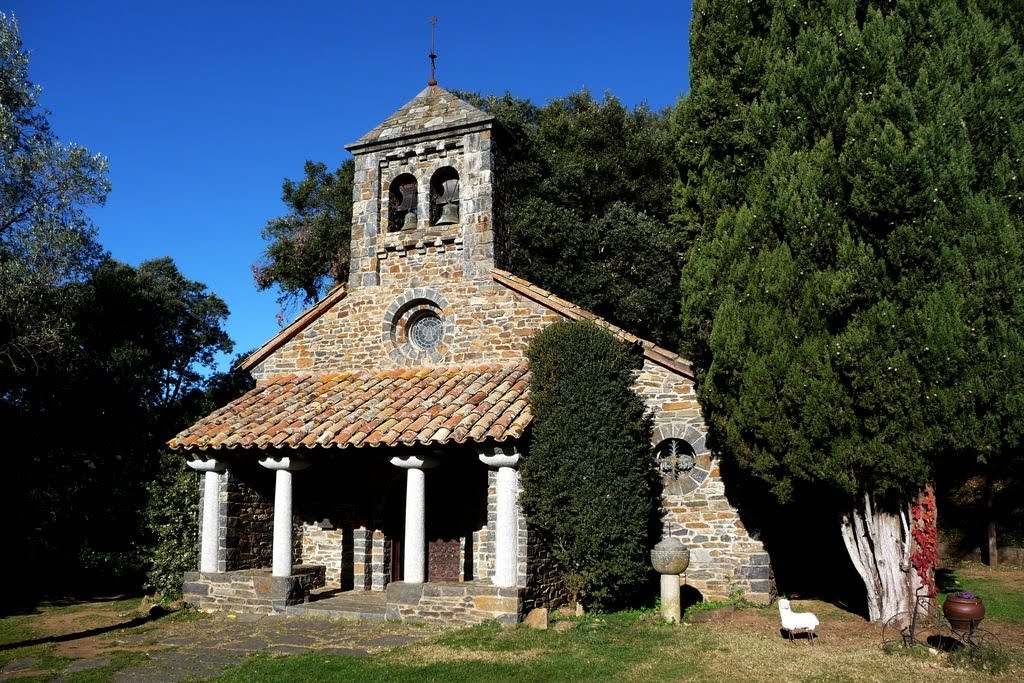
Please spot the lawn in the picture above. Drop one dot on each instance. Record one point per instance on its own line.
(731, 643)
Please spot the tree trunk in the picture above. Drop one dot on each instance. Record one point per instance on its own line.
(990, 531)
(879, 542)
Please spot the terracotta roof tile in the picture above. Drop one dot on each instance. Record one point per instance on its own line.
(428, 405)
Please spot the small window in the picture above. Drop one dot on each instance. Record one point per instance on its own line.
(675, 458)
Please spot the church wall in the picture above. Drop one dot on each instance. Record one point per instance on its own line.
(396, 274)
(488, 323)
(724, 558)
(249, 523)
(484, 323)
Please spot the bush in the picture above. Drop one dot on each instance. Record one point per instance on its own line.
(172, 520)
(588, 478)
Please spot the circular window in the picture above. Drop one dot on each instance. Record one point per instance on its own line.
(681, 469)
(675, 457)
(426, 330)
(416, 327)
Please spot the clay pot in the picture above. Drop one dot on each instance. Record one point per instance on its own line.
(670, 556)
(963, 614)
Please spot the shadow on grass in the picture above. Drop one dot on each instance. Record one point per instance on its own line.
(156, 613)
(29, 606)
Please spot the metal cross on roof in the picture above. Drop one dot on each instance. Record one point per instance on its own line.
(433, 25)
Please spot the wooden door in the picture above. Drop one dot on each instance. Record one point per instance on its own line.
(443, 560)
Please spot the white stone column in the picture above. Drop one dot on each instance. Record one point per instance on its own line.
(415, 544)
(283, 467)
(506, 532)
(210, 533)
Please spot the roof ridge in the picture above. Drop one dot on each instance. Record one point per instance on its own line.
(305, 319)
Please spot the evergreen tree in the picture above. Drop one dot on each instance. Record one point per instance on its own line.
(588, 478)
(852, 299)
(586, 188)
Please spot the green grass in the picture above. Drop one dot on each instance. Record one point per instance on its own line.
(610, 647)
(1004, 602)
(740, 644)
(20, 628)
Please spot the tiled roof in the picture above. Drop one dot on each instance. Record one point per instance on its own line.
(427, 406)
(433, 109)
(652, 352)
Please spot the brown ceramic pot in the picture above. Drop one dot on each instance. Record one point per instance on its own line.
(963, 614)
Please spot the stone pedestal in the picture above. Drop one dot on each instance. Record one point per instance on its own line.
(670, 558)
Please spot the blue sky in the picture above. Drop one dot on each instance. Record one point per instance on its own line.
(202, 108)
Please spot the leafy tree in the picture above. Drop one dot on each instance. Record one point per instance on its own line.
(92, 422)
(309, 247)
(586, 193)
(171, 513)
(46, 239)
(588, 481)
(850, 176)
(99, 361)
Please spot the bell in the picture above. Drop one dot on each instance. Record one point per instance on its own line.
(410, 221)
(408, 197)
(449, 214)
(450, 193)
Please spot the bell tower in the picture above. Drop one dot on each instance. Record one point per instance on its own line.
(423, 200)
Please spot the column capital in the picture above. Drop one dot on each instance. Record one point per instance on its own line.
(207, 464)
(500, 456)
(414, 462)
(284, 462)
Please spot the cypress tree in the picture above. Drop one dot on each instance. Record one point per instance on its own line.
(850, 178)
(588, 479)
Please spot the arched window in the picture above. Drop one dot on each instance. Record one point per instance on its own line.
(402, 203)
(444, 196)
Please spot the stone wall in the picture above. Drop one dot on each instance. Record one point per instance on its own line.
(484, 322)
(250, 591)
(323, 544)
(246, 542)
(544, 586)
(452, 604)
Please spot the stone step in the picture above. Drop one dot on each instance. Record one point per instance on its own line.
(349, 606)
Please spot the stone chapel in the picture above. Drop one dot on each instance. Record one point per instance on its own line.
(378, 452)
